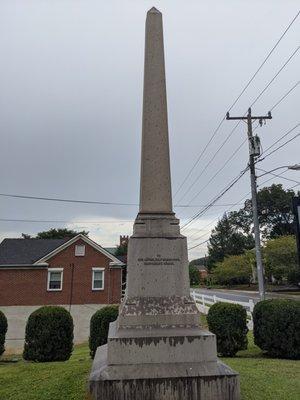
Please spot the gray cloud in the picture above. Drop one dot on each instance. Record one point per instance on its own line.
(71, 77)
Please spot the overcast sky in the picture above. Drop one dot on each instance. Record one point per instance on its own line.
(71, 78)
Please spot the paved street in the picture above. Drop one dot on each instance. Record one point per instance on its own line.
(242, 295)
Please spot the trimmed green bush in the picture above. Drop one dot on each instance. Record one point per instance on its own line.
(229, 323)
(3, 330)
(99, 327)
(277, 327)
(49, 335)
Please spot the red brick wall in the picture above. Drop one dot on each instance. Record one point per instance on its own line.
(29, 286)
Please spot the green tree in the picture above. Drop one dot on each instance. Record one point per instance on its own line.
(59, 233)
(274, 212)
(122, 249)
(227, 239)
(234, 270)
(194, 275)
(280, 256)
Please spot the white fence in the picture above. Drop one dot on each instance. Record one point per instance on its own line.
(204, 301)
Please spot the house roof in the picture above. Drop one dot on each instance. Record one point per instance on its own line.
(26, 251)
(200, 267)
(111, 250)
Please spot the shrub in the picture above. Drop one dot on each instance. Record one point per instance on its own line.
(194, 275)
(277, 327)
(234, 270)
(99, 327)
(293, 276)
(229, 323)
(49, 335)
(3, 330)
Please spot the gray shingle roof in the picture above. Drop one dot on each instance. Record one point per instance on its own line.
(26, 251)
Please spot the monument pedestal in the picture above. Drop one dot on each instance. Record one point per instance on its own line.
(162, 381)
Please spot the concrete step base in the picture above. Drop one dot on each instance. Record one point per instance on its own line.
(176, 381)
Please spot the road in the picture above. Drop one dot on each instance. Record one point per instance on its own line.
(242, 295)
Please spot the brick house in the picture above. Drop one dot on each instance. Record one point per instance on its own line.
(76, 273)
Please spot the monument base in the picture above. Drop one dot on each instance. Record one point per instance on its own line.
(172, 381)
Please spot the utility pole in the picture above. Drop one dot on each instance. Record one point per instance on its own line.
(254, 151)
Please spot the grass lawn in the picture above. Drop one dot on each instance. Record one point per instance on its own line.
(261, 378)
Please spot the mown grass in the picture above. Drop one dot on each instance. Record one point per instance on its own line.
(262, 378)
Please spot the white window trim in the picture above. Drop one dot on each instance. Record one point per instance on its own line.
(80, 245)
(96, 269)
(48, 280)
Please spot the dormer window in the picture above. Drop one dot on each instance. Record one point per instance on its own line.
(80, 250)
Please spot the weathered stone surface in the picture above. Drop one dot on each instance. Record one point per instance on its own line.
(155, 191)
(160, 345)
(173, 381)
(156, 349)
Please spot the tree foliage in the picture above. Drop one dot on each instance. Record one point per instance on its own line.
(49, 335)
(234, 270)
(59, 233)
(229, 323)
(280, 258)
(233, 234)
(227, 239)
(3, 330)
(99, 327)
(122, 249)
(274, 212)
(276, 327)
(194, 275)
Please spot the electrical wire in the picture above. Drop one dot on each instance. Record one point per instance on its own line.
(21, 196)
(237, 99)
(219, 170)
(284, 96)
(221, 194)
(64, 221)
(278, 140)
(276, 75)
(280, 147)
(277, 175)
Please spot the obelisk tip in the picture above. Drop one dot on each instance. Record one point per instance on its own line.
(154, 10)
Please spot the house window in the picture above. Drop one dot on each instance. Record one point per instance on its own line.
(98, 279)
(55, 279)
(80, 250)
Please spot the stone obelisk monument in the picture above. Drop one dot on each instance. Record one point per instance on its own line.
(157, 349)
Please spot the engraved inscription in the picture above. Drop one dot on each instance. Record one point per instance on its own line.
(158, 261)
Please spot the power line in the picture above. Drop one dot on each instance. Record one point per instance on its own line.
(21, 196)
(200, 156)
(210, 161)
(278, 140)
(279, 147)
(276, 75)
(64, 221)
(265, 60)
(284, 96)
(239, 147)
(277, 175)
(237, 99)
(267, 180)
(235, 127)
(197, 245)
(225, 190)
(219, 170)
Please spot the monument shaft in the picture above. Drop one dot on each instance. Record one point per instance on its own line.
(156, 349)
(155, 189)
